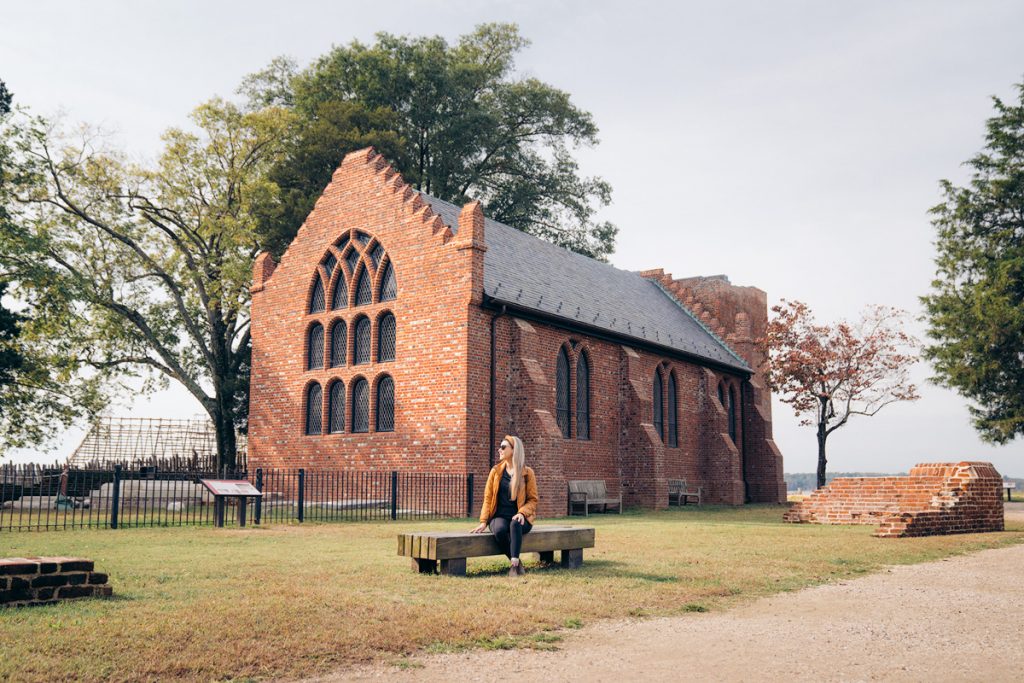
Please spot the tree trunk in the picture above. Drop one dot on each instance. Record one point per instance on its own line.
(226, 443)
(822, 460)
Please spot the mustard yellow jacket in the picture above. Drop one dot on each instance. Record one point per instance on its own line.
(526, 500)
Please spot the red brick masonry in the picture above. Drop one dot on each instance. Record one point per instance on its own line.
(936, 498)
(46, 580)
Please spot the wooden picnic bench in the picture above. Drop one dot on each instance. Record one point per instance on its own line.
(587, 493)
(452, 548)
(678, 494)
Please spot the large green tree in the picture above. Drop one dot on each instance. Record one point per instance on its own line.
(145, 271)
(455, 120)
(975, 312)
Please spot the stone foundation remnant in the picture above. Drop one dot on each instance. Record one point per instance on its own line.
(935, 498)
(46, 580)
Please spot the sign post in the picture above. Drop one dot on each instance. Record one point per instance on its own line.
(222, 489)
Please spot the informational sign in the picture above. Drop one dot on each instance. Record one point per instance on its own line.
(230, 487)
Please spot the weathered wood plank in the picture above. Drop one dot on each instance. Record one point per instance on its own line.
(448, 545)
(454, 567)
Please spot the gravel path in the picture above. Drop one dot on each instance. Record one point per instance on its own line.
(957, 619)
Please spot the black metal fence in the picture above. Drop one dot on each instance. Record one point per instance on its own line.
(35, 498)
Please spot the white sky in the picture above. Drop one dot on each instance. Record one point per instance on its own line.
(795, 146)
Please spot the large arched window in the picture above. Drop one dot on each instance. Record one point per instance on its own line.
(314, 406)
(339, 297)
(316, 301)
(315, 349)
(336, 408)
(732, 414)
(673, 433)
(361, 406)
(386, 404)
(582, 398)
(364, 295)
(361, 352)
(339, 344)
(388, 286)
(386, 333)
(656, 392)
(562, 393)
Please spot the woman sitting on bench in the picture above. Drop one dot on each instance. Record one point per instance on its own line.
(510, 501)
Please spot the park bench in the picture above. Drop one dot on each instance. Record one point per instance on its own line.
(587, 493)
(452, 548)
(678, 494)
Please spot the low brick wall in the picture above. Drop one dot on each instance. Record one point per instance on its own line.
(935, 498)
(46, 580)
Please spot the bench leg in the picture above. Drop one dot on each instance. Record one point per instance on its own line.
(547, 556)
(572, 559)
(455, 566)
(424, 566)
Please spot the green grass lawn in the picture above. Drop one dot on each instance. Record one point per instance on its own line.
(208, 604)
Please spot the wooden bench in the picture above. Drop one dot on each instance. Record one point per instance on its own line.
(588, 493)
(678, 494)
(452, 548)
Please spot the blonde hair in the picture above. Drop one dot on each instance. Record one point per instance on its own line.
(519, 463)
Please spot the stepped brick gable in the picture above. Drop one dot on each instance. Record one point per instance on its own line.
(935, 498)
(399, 331)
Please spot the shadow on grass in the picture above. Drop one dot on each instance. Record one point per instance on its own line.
(590, 567)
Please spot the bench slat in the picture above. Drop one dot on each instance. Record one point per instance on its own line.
(448, 545)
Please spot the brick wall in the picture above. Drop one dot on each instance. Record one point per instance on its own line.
(935, 498)
(442, 370)
(46, 580)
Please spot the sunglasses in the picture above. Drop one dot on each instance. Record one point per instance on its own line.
(503, 446)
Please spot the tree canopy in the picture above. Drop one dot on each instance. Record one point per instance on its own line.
(975, 312)
(132, 269)
(455, 121)
(829, 373)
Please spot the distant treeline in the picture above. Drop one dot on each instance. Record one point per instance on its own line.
(807, 481)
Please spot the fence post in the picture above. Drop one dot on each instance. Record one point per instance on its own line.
(258, 505)
(469, 494)
(302, 493)
(394, 494)
(115, 502)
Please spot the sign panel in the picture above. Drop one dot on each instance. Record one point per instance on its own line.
(229, 487)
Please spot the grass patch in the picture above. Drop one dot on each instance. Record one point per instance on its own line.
(289, 600)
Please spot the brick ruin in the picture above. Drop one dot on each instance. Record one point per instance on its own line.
(46, 580)
(935, 498)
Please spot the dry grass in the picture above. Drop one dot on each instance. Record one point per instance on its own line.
(212, 604)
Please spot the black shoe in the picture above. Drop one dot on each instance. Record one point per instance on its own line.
(520, 569)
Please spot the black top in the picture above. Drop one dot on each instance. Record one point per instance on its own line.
(507, 509)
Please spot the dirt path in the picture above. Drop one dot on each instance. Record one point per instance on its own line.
(957, 619)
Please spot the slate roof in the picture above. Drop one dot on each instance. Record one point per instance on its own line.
(526, 272)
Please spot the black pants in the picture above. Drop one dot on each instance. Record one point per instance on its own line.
(509, 534)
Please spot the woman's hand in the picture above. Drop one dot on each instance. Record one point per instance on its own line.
(518, 517)
(480, 529)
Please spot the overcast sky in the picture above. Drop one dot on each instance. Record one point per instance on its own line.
(795, 146)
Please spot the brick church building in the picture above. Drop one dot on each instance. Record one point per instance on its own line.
(403, 332)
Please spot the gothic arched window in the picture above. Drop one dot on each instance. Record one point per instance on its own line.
(315, 349)
(314, 405)
(361, 352)
(582, 398)
(336, 408)
(562, 393)
(673, 427)
(363, 294)
(316, 301)
(386, 333)
(386, 404)
(339, 297)
(656, 391)
(732, 414)
(339, 344)
(361, 406)
(388, 286)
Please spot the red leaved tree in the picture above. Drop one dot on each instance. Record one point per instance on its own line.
(828, 373)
